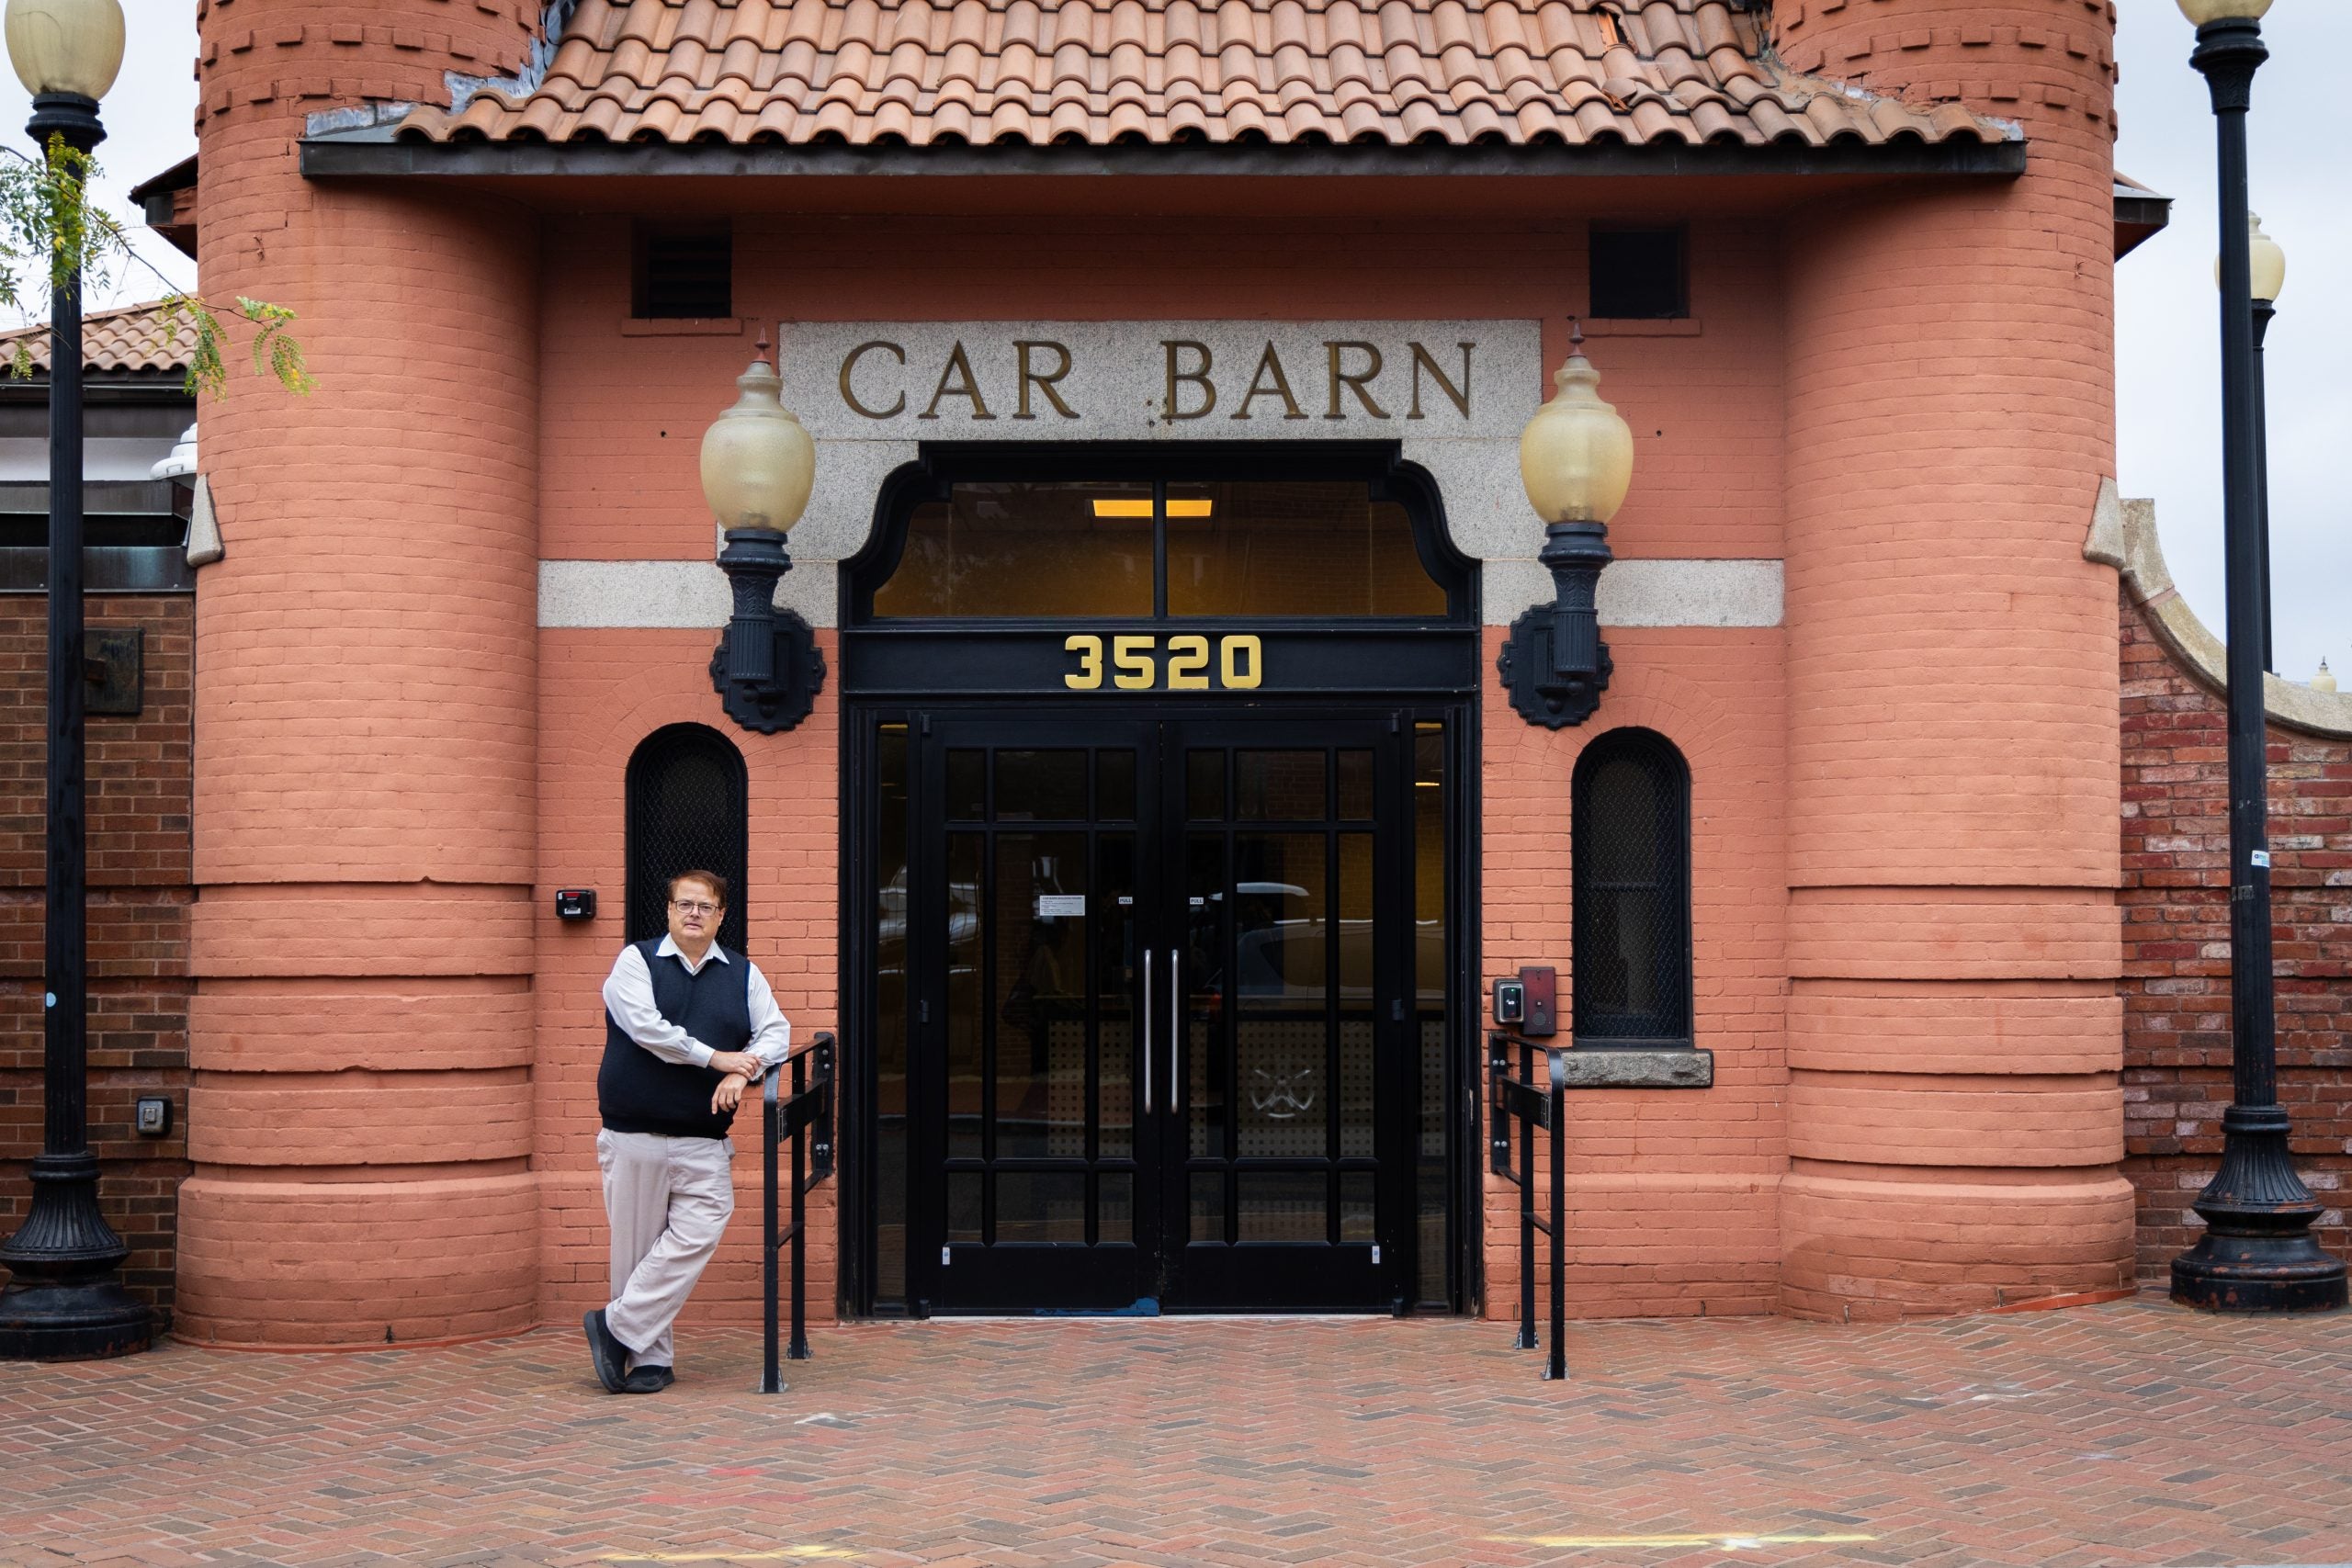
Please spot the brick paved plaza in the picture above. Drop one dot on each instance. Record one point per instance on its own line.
(2130, 1433)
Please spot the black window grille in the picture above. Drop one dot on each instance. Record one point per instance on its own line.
(1631, 834)
(686, 812)
(686, 274)
(1640, 274)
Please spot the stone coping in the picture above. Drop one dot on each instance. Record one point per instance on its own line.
(2123, 536)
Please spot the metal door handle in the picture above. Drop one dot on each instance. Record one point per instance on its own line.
(1147, 956)
(1175, 1021)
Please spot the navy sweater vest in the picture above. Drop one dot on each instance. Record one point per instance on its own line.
(637, 1091)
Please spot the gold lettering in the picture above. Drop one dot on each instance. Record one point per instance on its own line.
(1042, 383)
(849, 367)
(968, 388)
(1198, 375)
(1281, 388)
(1089, 676)
(1188, 658)
(1458, 396)
(1233, 653)
(1136, 668)
(1355, 383)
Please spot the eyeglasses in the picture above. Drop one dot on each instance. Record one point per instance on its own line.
(693, 905)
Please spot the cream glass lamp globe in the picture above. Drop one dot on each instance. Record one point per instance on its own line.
(1576, 457)
(2269, 262)
(2204, 11)
(758, 463)
(66, 46)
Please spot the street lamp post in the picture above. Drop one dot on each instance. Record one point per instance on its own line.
(64, 1299)
(2257, 1253)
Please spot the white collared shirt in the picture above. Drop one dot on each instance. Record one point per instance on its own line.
(628, 996)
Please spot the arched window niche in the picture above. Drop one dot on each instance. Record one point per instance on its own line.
(1629, 812)
(687, 811)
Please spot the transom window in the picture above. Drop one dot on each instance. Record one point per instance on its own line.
(1176, 548)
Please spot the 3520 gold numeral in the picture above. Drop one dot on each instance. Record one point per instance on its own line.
(1135, 664)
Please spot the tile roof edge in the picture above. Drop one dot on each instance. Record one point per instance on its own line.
(1781, 79)
(553, 18)
(376, 152)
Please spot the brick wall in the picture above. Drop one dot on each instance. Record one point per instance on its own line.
(2176, 933)
(139, 906)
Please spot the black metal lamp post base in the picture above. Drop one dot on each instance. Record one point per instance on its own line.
(87, 1320)
(2258, 1274)
(2257, 1253)
(64, 1302)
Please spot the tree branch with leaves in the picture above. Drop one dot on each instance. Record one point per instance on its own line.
(49, 230)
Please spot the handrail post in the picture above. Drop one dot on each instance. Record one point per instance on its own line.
(1559, 1130)
(799, 1350)
(1526, 1212)
(772, 1374)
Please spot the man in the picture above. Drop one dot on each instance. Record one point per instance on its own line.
(688, 1027)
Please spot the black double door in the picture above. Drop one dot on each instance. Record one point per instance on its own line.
(1162, 974)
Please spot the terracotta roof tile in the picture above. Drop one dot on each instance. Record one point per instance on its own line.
(128, 337)
(1160, 70)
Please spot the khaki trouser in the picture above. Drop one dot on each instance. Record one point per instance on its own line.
(669, 1199)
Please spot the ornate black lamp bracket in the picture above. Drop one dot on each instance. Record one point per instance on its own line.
(1555, 665)
(768, 669)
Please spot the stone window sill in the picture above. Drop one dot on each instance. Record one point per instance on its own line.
(684, 326)
(1671, 1067)
(1640, 326)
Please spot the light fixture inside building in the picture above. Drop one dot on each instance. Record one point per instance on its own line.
(1575, 460)
(758, 466)
(1140, 508)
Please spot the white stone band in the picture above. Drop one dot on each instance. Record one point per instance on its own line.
(678, 593)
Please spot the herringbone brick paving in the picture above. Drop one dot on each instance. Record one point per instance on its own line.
(2130, 1433)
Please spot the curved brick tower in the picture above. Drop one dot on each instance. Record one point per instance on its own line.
(365, 779)
(1955, 1119)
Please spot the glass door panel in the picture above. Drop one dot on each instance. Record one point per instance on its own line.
(1028, 1026)
(1295, 906)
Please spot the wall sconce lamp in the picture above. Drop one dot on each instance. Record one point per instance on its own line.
(1575, 460)
(758, 465)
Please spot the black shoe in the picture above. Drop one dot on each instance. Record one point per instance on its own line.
(648, 1379)
(611, 1358)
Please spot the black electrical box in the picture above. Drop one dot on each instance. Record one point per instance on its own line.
(575, 904)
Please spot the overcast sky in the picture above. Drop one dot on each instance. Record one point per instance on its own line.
(2169, 361)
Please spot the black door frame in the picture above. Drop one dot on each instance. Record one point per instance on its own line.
(1447, 691)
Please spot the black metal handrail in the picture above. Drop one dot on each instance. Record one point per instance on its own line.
(1532, 1105)
(808, 1108)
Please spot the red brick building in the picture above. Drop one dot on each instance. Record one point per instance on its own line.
(1161, 815)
